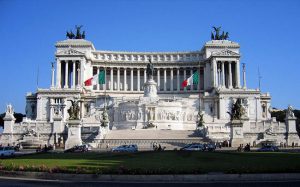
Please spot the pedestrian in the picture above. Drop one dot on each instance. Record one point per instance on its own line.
(159, 147)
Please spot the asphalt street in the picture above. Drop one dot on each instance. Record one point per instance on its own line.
(19, 182)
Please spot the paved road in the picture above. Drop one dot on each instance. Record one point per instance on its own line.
(14, 182)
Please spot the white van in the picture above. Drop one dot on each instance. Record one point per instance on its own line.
(7, 151)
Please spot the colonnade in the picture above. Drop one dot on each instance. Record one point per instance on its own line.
(223, 74)
(132, 79)
(68, 74)
(227, 74)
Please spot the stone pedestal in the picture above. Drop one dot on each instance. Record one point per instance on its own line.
(150, 88)
(58, 126)
(292, 135)
(9, 121)
(236, 133)
(74, 134)
(102, 131)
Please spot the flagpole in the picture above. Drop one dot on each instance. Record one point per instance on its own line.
(37, 77)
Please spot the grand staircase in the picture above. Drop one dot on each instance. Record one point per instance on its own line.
(171, 139)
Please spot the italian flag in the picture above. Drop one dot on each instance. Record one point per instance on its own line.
(191, 80)
(96, 79)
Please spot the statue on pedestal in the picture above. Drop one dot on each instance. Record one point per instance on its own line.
(78, 35)
(74, 110)
(9, 110)
(105, 120)
(237, 110)
(289, 112)
(217, 36)
(150, 86)
(150, 70)
(200, 121)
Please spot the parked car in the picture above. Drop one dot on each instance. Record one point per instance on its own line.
(210, 147)
(7, 151)
(126, 148)
(77, 149)
(194, 147)
(268, 148)
(188, 145)
(88, 147)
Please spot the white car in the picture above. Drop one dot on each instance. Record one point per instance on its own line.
(7, 151)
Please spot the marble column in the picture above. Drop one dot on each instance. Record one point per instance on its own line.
(98, 85)
(192, 85)
(138, 79)
(111, 79)
(184, 76)
(219, 77)
(178, 79)
(51, 110)
(58, 74)
(171, 80)
(244, 77)
(118, 78)
(145, 76)
(66, 74)
(158, 79)
(78, 76)
(165, 79)
(214, 73)
(223, 74)
(52, 75)
(125, 81)
(73, 74)
(131, 79)
(237, 74)
(230, 75)
(82, 62)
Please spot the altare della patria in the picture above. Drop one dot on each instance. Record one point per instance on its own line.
(111, 98)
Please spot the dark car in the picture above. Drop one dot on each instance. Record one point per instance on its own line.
(77, 149)
(194, 147)
(210, 147)
(268, 148)
(188, 145)
(126, 148)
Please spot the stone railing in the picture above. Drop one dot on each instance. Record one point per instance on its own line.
(147, 144)
(193, 56)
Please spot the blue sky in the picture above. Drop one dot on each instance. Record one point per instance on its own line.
(268, 32)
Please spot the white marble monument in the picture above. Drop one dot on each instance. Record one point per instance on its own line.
(139, 104)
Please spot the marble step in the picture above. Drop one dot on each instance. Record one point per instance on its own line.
(152, 134)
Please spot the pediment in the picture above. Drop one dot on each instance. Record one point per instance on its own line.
(225, 52)
(70, 51)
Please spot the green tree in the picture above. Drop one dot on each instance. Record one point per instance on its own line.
(18, 116)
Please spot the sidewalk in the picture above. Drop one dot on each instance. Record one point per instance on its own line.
(153, 178)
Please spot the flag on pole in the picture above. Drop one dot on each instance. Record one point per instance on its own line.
(102, 77)
(96, 79)
(194, 79)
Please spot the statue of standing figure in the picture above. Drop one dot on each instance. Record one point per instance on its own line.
(9, 109)
(150, 70)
